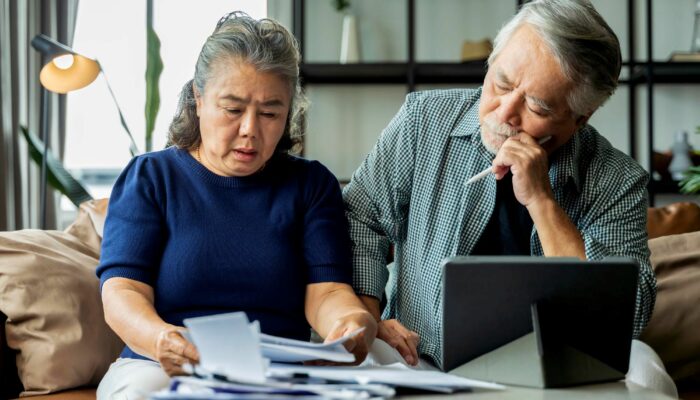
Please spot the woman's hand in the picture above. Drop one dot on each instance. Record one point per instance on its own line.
(360, 344)
(173, 351)
(405, 341)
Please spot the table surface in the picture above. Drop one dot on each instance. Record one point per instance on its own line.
(607, 391)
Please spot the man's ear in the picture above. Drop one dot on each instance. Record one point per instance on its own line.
(582, 120)
(197, 98)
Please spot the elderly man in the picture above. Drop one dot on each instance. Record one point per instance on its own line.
(558, 188)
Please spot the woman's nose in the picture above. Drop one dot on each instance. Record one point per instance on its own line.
(249, 125)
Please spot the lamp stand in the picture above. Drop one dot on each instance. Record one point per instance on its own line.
(45, 116)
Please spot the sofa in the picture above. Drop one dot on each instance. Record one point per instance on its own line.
(56, 345)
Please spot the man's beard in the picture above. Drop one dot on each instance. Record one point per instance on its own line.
(494, 134)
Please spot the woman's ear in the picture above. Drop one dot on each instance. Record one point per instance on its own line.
(197, 98)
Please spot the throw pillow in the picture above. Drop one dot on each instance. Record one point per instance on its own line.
(673, 219)
(674, 326)
(50, 295)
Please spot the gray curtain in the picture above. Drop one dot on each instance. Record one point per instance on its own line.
(20, 104)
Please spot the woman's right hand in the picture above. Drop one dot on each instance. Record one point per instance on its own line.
(173, 351)
(405, 341)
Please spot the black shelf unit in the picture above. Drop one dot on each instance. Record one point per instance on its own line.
(411, 73)
(383, 73)
(662, 73)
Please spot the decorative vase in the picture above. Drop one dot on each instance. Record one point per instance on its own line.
(681, 161)
(350, 44)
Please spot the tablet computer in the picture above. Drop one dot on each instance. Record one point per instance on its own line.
(534, 321)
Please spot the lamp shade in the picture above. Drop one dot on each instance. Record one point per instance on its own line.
(77, 72)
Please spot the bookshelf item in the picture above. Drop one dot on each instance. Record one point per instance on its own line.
(474, 51)
(685, 56)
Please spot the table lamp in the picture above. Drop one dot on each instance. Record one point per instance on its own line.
(65, 70)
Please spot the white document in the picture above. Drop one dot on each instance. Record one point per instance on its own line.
(279, 349)
(264, 338)
(394, 375)
(228, 345)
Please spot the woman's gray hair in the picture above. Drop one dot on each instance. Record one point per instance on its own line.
(268, 47)
(587, 48)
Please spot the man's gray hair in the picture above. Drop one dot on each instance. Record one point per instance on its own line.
(268, 47)
(585, 46)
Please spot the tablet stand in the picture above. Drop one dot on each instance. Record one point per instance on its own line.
(552, 355)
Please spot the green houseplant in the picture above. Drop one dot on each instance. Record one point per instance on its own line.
(690, 184)
(154, 67)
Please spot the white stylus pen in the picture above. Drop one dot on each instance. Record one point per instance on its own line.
(483, 174)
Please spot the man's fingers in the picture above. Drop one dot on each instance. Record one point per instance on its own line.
(403, 348)
(414, 338)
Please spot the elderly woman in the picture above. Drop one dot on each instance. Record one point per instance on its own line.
(225, 219)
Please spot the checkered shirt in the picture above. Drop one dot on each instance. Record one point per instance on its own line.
(411, 192)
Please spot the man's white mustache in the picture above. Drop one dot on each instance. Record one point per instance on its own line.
(500, 129)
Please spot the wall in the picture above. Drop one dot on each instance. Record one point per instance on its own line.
(345, 121)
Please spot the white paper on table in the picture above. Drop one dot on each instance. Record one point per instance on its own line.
(280, 353)
(393, 374)
(228, 345)
(264, 338)
(279, 349)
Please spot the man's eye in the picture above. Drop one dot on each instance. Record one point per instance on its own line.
(234, 111)
(537, 112)
(502, 88)
(268, 115)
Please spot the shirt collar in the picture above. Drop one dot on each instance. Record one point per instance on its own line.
(564, 163)
(468, 124)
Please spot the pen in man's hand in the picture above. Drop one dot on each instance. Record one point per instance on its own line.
(483, 174)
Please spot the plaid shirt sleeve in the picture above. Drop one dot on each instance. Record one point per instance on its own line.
(615, 226)
(377, 198)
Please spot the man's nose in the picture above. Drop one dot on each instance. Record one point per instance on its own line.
(510, 109)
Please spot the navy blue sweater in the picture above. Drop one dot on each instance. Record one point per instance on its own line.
(209, 244)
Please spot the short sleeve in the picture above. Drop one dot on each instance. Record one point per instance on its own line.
(134, 232)
(326, 240)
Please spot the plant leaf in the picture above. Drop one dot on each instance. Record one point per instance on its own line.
(690, 184)
(56, 174)
(154, 67)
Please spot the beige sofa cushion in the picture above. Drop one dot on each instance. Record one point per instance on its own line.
(674, 329)
(50, 294)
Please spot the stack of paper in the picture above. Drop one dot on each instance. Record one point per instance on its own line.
(231, 346)
(395, 375)
(279, 349)
(192, 388)
(237, 361)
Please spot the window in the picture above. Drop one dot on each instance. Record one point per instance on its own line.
(97, 147)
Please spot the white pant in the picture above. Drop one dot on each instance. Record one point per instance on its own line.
(131, 379)
(646, 368)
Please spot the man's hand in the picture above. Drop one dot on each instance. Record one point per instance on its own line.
(528, 162)
(173, 351)
(401, 338)
(360, 344)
